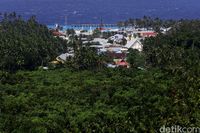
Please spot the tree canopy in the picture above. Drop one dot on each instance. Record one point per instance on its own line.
(26, 44)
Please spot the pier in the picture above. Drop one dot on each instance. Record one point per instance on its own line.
(92, 25)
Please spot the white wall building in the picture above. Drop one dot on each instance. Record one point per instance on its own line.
(134, 44)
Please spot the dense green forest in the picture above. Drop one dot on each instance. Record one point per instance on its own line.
(26, 44)
(81, 98)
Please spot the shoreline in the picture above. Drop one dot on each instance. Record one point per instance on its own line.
(84, 26)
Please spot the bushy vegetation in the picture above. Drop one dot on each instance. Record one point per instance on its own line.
(136, 58)
(116, 100)
(86, 99)
(85, 57)
(26, 44)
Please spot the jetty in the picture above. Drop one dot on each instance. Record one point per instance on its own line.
(92, 25)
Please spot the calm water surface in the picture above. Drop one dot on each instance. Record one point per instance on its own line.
(91, 11)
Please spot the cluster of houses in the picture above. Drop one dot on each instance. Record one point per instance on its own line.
(115, 46)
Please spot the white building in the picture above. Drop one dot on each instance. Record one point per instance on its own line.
(117, 38)
(101, 41)
(134, 44)
(63, 57)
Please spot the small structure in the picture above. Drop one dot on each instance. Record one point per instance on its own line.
(111, 66)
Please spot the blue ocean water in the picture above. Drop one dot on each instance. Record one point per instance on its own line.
(91, 11)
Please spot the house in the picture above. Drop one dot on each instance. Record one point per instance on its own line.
(101, 41)
(148, 34)
(63, 57)
(57, 33)
(134, 44)
(118, 38)
(122, 63)
(165, 30)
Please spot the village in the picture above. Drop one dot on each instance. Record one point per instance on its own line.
(115, 42)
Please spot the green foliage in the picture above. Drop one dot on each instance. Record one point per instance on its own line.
(85, 57)
(178, 53)
(97, 100)
(70, 32)
(111, 100)
(26, 44)
(136, 58)
(179, 50)
(96, 33)
(148, 22)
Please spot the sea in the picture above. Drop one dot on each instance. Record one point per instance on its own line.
(66, 12)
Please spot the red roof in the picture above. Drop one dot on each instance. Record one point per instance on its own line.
(148, 34)
(57, 33)
(122, 63)
(101, 28)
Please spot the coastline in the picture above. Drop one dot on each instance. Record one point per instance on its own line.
(82, 26)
